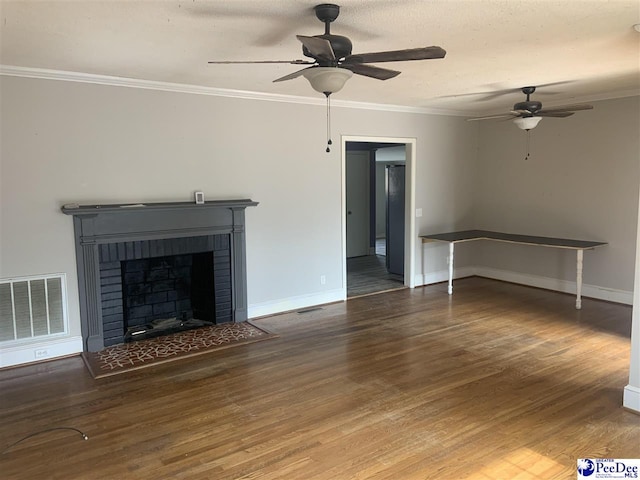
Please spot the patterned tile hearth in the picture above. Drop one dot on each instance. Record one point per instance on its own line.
(145, 353)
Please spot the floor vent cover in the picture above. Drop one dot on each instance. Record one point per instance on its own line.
(32, 307)
(308, 310)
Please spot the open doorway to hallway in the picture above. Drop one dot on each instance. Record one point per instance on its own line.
(375, 193)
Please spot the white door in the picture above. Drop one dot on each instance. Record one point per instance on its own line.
(357, 186)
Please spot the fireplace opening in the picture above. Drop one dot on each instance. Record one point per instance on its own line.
(153, 288)
(163, 295)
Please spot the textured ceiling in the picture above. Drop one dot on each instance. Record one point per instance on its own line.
(587, 49)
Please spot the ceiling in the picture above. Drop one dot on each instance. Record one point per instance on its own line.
(584, 50)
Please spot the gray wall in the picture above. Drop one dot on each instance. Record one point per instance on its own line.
(87, 143)
(73, 142)
(580, 182)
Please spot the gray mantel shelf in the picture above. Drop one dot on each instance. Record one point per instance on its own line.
(96, 226)
(72, 209)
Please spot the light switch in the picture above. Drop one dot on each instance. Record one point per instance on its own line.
(418, 212)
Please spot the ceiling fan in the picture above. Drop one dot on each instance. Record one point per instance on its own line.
(527, 114)
(333, 63)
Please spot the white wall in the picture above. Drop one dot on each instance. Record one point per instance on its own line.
(580, 182)
(631, 397)
(66, 142)
(391, 154)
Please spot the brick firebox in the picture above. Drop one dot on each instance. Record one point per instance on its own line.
(147, 280)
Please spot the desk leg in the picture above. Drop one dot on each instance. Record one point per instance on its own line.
(579, 254)
(450, 289)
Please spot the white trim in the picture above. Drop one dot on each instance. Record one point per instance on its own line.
(295, 303)
(18, 355)
(564, 286)
(410, 213)
(410, 203)
(343, 217)
(46, 74)
(62, 75)
(632, 398)
(443, 276)
(632, 391)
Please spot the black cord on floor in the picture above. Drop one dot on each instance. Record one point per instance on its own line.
(40, 432)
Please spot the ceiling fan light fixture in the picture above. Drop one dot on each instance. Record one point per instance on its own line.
(527, 123)
(327, 80)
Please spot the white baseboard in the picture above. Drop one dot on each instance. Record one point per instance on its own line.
(591, 291)
(295, 303)
(443, 276)
(632, 398)
(37, 352)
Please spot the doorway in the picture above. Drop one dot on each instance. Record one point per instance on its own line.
(378, 194)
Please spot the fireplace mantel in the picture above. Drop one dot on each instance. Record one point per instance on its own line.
(74, 209)
(97, 225)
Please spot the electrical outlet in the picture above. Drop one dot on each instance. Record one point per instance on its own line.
(323, 279)
(41, 353)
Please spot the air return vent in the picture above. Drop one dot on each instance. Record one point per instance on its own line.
(32, 308)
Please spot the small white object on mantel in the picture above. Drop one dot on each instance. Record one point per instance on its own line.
(199, 196)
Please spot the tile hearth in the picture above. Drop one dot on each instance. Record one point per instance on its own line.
(143, 353)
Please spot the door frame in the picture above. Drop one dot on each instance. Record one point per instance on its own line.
(410, 204)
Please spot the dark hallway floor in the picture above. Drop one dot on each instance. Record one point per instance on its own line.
(368, 274)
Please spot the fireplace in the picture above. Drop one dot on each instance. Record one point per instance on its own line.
(147, 269)
(146, 292)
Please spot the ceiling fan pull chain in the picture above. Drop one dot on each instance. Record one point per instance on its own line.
(526, 157)
(329, 142)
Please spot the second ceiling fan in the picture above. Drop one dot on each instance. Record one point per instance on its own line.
(528, 113)
(333, 62)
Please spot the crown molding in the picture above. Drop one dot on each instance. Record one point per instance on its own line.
(66, 76)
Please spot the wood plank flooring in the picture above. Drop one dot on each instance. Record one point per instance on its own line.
(368, 274)
(495, 382)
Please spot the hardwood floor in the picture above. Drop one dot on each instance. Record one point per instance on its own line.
(368, 274)
(495, 382)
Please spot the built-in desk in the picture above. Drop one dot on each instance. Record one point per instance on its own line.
(469, 235)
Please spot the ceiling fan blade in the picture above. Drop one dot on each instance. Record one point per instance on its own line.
(291, 62)
(318, 47)
(293, 75)
(490, 117)
(371, 71)
(499, 92)
(425, 53)
(544, 113)
(568, 108)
